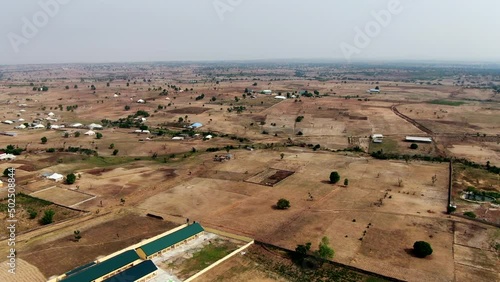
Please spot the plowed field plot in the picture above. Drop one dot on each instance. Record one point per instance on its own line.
(62, 196)
(270, 177)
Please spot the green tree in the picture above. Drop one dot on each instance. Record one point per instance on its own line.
(98, 135)
(77, 134)
(44, 140)
(324, 249)
(7, 171)
(334, 177)
(413, 146)
(48, 217)
(112, 146)
(115, 152)
(422, 249)
(346, 182)
(33, 213)
(127, 107)
(283, 204)
(77, 235)
(470, 214)
(282, 155)
(66, 87)
(70, 178)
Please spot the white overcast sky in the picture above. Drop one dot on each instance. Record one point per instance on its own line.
(171, 30)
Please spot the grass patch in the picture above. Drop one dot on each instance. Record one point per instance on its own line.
(25, 201)
(107, 161)
(387, 146)
(205, 257)
(446, 102)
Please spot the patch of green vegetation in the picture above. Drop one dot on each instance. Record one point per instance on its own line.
(108, 161)
(25, 201)
(446, 102)
(387, 146)
(205, 257)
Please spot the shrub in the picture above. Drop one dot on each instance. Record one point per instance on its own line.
(32, 213)
(422, 249)
(47, 217)
(43, 139)
(283, 204)
(413, 146)
(51, 150)
(346, 182)
(98, 135)
(115, 152)
(70, 178)
(334, 177)
(470, 214)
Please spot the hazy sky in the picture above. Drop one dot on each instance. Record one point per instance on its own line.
(170, 30)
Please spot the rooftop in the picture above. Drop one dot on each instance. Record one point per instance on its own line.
(171, 239)
(135, 273)
(100, 269)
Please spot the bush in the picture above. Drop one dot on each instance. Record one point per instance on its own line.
(470, 214)
(283, 204)
(32, 213)
(7, 171)
(115, 152)
(334, 177)
(51, 150)
(422, 249)
(43, 139)
(98, 135)
(413, 146)
(346, 182)
(47, 217)
(70, 178)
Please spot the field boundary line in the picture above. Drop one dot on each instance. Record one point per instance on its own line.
(219, 262)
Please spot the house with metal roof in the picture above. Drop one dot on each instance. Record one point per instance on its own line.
(170, 241)
(105, 269)
(418, 139)
(141, 272)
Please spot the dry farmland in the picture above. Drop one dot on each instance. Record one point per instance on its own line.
(251, 150)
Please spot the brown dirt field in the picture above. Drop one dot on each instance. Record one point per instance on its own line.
(189, 110)
(25, 272)
(305, 220)
(64, 254)
(62, 196)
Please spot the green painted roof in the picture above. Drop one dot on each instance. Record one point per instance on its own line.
(100, 269)
(171, 239)
(135, 273)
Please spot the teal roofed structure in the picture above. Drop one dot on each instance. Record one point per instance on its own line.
(104, 268)
(170, 240)
(143, 269)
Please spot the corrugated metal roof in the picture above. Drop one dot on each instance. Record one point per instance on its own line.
(135, 273)
(418, 139)
(100, 269)
(171, 239)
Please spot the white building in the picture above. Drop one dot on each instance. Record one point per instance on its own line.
(90, 133)
(8, 121)
(418, 139)
(76, 125)
(5, 156)
(140, 101)
(95, 126)
(267, 92)
(39, 126)
(280, 97)
(56, 177)
(377, 136)
(178, 138)
(21, 126)
(373, 90)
